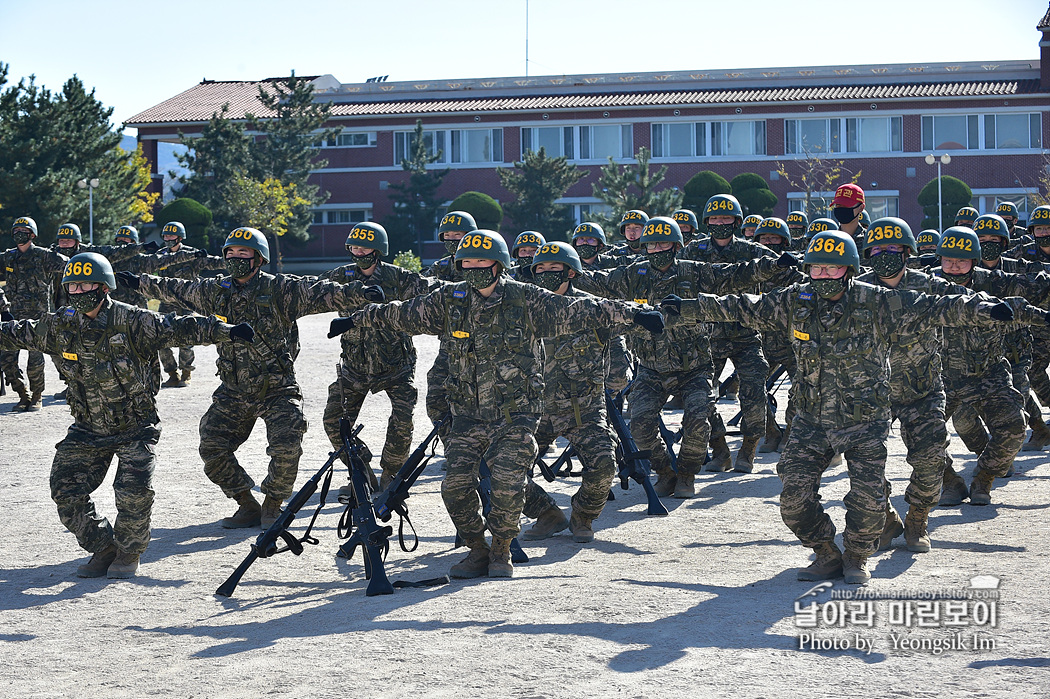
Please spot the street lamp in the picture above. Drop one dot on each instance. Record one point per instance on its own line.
(90, 186)
(943, 160)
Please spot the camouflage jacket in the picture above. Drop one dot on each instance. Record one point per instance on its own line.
(114, 253)
(1029, 259)
(493, 344)
(32, 278)
(602, 261)
(521, 273)
(109, 363)
(445, 270)
(682, 347)
(371, 352)
(4, 305)
(187, 262)
(915, 352)
(271, 304)
(842, 348)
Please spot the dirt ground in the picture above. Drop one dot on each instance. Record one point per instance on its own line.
(700, 603)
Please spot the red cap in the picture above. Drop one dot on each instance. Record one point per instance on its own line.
(848, 195)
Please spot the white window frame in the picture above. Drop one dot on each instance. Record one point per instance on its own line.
(984, 120)
(564, 132)
(370, 136)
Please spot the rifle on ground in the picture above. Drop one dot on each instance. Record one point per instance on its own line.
(633, 462)
(670, 439)
(771, 388)
(265, 545)
(562, 466)
(517, 554)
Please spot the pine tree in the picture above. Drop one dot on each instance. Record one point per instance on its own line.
(537, 182)
(626, 187)
(416, 203)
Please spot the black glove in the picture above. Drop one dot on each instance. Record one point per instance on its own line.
(341, 325)
(242, 331)
(787, 260)
(129, 280)
(374, 293)
(1002, 311)
(650, 320)
(200, 253)
(6, 316)
(672, 305)
(150, 247)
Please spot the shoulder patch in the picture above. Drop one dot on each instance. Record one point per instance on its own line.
(642, 270)
(225, 283)
(350, 272)
(701, 246)
(459, 293)
(806, 295)
(443, 261)
(70, 312)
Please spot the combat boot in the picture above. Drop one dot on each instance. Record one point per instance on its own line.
(499, 559)
(34, 402)
(771, 442)
(826, 565)
(855, 569)
(271, 510)
(953, 490)
(23, 398)
(185, 379)
(721, 457)
(476, 562)
(784, 439)
(125, 565)
(685, 486)
(915, 532)
(745, 458)
(1040, 436)
(981, 488)
(550, 522)
(894, 528)
(733, 389)
(173, 380)
(665, 483)
(582, 531)
(61, 395)
(99, 563)
(247, 515)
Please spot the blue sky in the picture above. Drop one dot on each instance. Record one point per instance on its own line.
(136, 55)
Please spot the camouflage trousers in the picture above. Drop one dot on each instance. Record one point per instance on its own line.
(347, 394)
(82, 459)
(649, 392)
(437, 397)
(968, 422)
(926, 437)
(228, 423)
(621, 364)
(167, 359)
(751, 369)
(807, 455)
(595, 444)
(998, 403)
(13, 373)
(1037, 375)
(511, 450)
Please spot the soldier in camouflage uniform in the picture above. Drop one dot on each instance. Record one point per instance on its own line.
(521, 252)
(491, 326)
(687, 223)
(106, 350)
(454, 225)
(926, 243)
(69, 241)
(748, 226)
(573, 407)
(32, 274)
(1008, 212)
(146, 263)
(181, 262)
(840, 330)
(257, 380)
(797, 223)
(632, 223)
(1037, 252)
(373, 359)
(976, 372)
(732, 341)
(677, 362)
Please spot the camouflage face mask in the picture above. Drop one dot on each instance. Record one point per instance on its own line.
(366, 261)
(887, 264)
(86, 301)
(776, 247)
(659, 260)
(21, 237)
(991, 250)
(480, 277)
(635, 244)
(450, 246)
(721, 231)
(828, 288)
(960, 279)
(173, 243)
(586, 252)
(551, 281)
(239, 267)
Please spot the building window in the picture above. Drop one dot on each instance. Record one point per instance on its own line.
(679, 140)
(812, 136)
(738, 138)
(556, 141)
(337, 216)
(434, 141)
(477, 145)
(586, 212)
(950, 132)
(874, 135)
(987, 132)
(1012, 131)
(356, 139)
(603, 141)
(881, 207)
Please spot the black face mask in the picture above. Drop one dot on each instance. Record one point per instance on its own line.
(479, 277)
(844, 214)
(635, 244)
(887, 264)
(86, 301)
(239, 267)
(450, 246)
(991, 250)
(524, 261)
(960, 279)
(828, 288)
(722, 231)
(366, 261)
(551, 281)
(172, 244)
(659, 260)
(21, 237)
(776, 247)
(586, 252)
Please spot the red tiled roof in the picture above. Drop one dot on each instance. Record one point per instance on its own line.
(198, 103)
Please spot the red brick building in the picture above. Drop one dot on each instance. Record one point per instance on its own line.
(880, 120)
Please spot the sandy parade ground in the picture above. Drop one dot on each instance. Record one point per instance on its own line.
(703, 602)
